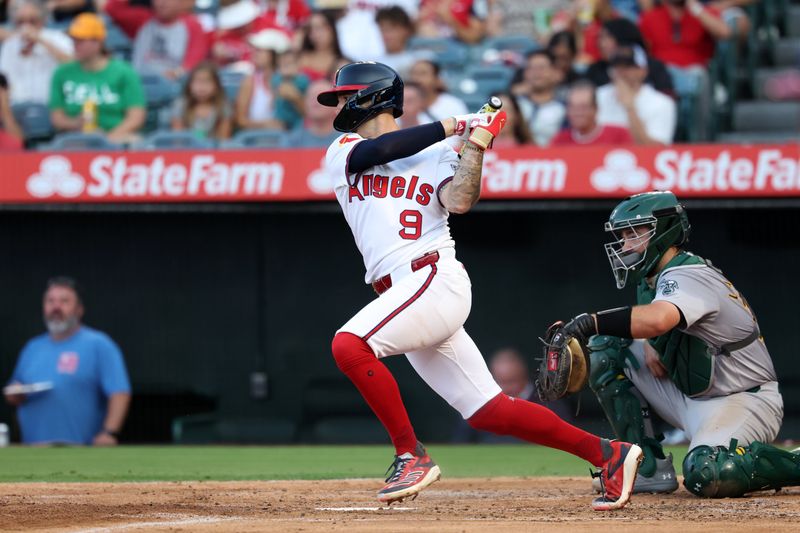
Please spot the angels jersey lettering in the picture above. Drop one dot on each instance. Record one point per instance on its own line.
(393, 209)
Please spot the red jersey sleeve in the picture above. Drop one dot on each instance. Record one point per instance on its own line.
(129, 18)
(198, 46)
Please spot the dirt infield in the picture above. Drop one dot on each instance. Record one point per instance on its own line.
(453, 505)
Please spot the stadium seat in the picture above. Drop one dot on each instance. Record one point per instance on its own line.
(761, 115)
(118, 43)
(159, 94)
(257, 139)
(485, 80)
(34, 119)
(447, 53)
(206, 7)
(473, 101)
(76, 142)
(174, 140)
(301, 138)
(758, 137)
(506, 48)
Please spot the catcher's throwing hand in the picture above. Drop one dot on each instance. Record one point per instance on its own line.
(565, 366)
(653, 362)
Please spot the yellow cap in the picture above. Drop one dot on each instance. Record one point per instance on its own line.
(87, 26)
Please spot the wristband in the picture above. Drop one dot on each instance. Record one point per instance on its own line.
(615, 322)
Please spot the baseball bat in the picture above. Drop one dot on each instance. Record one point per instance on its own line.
(492, 105)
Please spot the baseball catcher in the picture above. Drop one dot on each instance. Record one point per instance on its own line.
(701, 362)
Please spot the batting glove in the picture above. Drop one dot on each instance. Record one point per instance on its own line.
(466, 124)
(483, 135)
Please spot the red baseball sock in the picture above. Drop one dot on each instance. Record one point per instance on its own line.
(376, 384)
(535, 423)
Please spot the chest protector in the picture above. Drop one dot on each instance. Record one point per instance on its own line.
(688, 360)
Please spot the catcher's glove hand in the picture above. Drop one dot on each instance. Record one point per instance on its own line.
(565, 367)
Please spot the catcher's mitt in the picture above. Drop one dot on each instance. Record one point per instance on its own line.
(565, 367)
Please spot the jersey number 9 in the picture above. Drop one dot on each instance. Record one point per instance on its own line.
(411, 221)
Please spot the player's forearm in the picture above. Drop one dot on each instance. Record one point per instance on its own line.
(464, 190)
(117, 411)
(394, 145)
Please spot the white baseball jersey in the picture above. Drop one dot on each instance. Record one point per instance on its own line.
(394, 209)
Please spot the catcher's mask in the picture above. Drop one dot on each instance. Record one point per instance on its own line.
(376, 87)
(665, 222)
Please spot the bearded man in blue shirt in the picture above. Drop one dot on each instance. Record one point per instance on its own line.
(83, 387)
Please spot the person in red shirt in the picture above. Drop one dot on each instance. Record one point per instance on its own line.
(603, 11)
(171, 43)
(287, 15)
(464, 20)
(583, 128)
(683, 33)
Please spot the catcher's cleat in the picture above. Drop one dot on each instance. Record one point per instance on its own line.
(664, 481)
(618, 476)
(410, 473)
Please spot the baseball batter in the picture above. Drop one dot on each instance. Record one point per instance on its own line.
(396, 189)
(704, 369)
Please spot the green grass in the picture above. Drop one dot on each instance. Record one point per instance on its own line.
(219, 463)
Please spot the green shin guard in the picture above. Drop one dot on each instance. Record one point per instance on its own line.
(624, 408)
(720, 472)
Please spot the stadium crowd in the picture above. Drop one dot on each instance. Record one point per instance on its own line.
(235, 72)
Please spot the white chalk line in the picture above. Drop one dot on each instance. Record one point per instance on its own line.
(355, 509)
(194, 520)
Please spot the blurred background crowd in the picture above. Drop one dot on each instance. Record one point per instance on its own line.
(238, 73)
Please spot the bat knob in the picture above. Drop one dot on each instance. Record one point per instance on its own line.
(495, 102)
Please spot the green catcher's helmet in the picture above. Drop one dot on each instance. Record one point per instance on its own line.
(668, 226)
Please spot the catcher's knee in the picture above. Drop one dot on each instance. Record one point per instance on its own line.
(607, 357)
(716, 472)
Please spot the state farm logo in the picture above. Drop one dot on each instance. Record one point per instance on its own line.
(55, 176)
(620, 170)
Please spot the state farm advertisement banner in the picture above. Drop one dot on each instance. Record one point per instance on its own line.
(298, 175)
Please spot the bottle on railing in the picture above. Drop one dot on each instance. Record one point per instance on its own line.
(89, 114)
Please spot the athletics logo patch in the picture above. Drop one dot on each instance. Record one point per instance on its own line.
(668, 287)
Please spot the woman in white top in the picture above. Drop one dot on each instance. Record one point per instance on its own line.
(268, 99)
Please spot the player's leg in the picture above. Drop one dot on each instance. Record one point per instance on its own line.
(727, 454)
(457, 371)
(627, 409)
(420, 309)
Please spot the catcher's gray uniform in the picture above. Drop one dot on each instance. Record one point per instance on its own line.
(743, 400)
